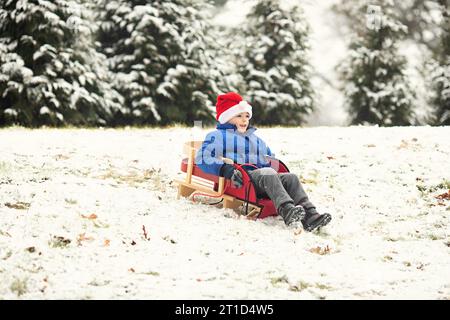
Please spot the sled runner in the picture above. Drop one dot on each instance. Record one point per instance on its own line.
(246, 197)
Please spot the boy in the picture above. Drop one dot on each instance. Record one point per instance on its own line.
(235, 139)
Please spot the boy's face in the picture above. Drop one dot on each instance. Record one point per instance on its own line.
(241, 121)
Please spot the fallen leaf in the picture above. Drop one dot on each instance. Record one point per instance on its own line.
(169, 239)
(106, 243)
(131, 269)
(331, 158)
(320, 250)
(31, 249)
(4, 233)
(82, 237)
(92, 216)
(133, 242)
(146, 237)
(18, 205)
(444, 196)
(59, 242)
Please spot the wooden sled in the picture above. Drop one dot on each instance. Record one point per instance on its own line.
(256, 206)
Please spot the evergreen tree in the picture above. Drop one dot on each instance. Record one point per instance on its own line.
(377, 90)
(274, 64)
(160, 56)
(440, 74)
(49, 74)
(226, 57)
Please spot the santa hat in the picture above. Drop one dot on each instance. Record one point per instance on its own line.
(229, 105)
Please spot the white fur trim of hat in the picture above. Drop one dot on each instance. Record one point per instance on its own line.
(228, 114)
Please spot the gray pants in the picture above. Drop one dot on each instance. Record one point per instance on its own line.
(281, 188)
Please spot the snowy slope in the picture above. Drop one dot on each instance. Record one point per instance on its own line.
(73, 204)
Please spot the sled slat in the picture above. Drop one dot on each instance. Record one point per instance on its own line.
(198, 187)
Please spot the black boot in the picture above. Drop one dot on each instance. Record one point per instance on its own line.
(292, 215)
(313, 220)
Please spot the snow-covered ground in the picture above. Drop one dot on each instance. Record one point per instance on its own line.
(74, 205)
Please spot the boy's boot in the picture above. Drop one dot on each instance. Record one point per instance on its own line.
(292, 215)
(313, 219)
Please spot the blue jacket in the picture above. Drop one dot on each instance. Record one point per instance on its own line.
(227, 142)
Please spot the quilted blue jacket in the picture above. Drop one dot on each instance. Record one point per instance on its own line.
(226, 141)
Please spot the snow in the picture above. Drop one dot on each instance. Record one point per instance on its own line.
(389, 237)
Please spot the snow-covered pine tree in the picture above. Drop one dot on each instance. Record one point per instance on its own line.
(49, 74)
(160, 56)
(226, 75)
(440, 72)
(377, 90)
(274, 64)
(226, 43)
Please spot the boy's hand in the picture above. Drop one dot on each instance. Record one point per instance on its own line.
(228, 171)
(236, 178)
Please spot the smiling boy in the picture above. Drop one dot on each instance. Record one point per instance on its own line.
(234, 138)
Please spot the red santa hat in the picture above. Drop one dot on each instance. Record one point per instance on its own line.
(229, 105)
